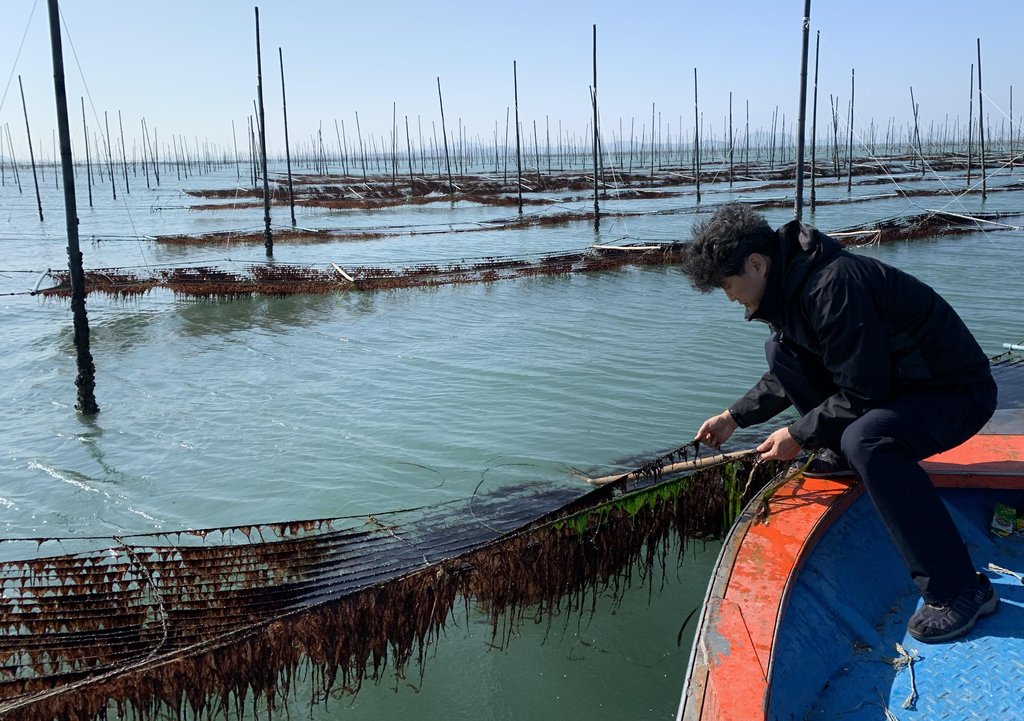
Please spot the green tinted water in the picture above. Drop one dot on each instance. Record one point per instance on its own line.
(225, 413)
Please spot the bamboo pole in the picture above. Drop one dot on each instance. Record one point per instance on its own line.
(814, 121)
(731, 169)
(593, 100)
(268, 238)
(970, 128)
(86, 380)
(234, 143)
(14, 161)
(88, 164)
(32, 157)
(981, 128)
(444, 134)
(362, 148)
(287, 151)
(849, 151)
(696, 137)
(801, 115)
(124, 160)
(679, 467)
(519, 159)
(408, 149)
(145, 153)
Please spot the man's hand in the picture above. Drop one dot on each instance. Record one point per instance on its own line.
(779, 446)
(716, 430)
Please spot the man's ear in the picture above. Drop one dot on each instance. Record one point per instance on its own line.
(758, 263)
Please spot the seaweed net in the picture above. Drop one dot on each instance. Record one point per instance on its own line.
(284, 279)
(208, 623)
(279, 279)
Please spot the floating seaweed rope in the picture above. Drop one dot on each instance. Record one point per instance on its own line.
(176, 624)
(284, 279)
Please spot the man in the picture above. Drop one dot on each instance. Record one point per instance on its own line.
(883, 373)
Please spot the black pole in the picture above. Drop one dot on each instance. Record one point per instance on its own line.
(519, 159)
(593, 98)
(444, 134)
(814, 120)
(88, 163)
(31, 155)
(696, 137)
(268, 238)
(86, 380)
(801, 120)
(981, 128)
(287, 152)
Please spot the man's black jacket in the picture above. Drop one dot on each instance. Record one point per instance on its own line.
(878, 331)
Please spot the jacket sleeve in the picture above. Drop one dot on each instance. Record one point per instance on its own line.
(854, 349)
(762, 402)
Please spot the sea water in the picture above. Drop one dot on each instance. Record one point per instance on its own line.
(231, 412)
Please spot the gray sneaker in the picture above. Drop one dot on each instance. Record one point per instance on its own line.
(940, 622)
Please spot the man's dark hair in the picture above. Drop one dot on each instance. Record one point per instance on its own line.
(719, 247)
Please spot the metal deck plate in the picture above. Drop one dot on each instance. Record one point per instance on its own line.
(978, 677)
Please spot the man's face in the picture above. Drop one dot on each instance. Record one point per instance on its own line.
(748, 287)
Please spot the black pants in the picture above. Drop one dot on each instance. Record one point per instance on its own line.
(884, 446)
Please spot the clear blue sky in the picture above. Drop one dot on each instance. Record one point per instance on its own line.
(189, 67)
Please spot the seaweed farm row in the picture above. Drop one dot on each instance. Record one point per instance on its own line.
(279, 279)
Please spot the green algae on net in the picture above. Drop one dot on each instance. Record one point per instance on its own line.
(203, 622)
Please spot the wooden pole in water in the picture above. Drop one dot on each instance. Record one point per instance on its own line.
(124, 159)
(287, 152)
(444, 134)
(14, 161)
(731, 169)
(917, 129)
(849, 150)
(981, 128)
(696, 137)
(519, 160)
(32, 157)
(362, 148)
(110, 156)
(268, 238)
(88, 164)
(234, 143)
(86, 380)
(652, 144)
(593, 100)
(408, 150)
(801, 116)
(814, 120)
(970, 128)
(145, 153)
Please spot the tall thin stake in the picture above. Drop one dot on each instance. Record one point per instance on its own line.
(801, 120)
(814, 119)
(31, 155)
(444, 134)
(88, 164)
(124, 159)
(970, 129)
(696, 137)
(519, 160)
(849, 151)
(593, 100)
(86, 380)
(268, 238)
(981, 128)
(287, 152)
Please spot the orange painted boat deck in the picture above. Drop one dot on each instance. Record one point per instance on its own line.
(731, 664)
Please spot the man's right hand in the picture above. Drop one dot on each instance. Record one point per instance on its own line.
(716, 430)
